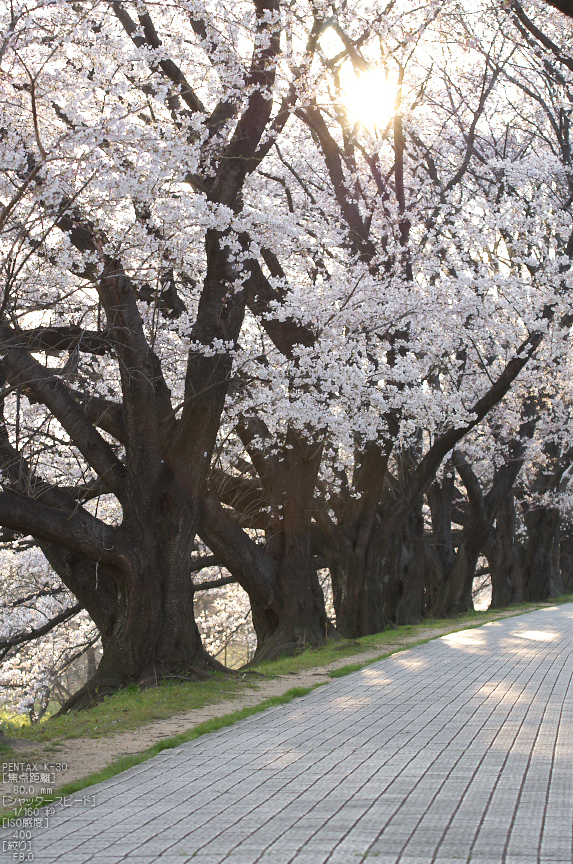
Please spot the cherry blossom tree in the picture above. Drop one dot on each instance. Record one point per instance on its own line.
(43, 631)
(357, 541)
(124, 190)
(233, 311)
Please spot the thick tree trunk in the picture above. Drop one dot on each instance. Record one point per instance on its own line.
(280, 578)
(298, 612)
(372, 585)
(440, 499)
(358, 589)
(154, 634)
(151, 633)
(440, 554)
(297, 618)
(505, 558)
(542, 574)
(404, 572)
(566, 562)
(355, 558)
(377, 576)
(455, 597)
(434, 576)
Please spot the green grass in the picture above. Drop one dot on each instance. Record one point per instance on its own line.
(128, 709)
(332, 651)
(351, 667)
(125, 762)
(132, 707)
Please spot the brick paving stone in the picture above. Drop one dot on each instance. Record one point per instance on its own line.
(456, 751)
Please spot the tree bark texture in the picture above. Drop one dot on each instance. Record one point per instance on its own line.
(566, 562)
(541, 570)
(505, 556)
(440, 554)
(405, 572)
(280, 577)
(358, 588)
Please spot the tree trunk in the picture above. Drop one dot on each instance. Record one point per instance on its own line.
(455, 597)
(155, 637)
(298, 612)
(358, 588)
(152, 632)
(542, 574)
(434, 576)
(297, 619)
(280, 578)
(354, 550)
(440, 554)
(505, 558)
(566, 562)
(404, 572)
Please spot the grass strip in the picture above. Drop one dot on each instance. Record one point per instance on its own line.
(132, 708)
(126, 762)
(521, 609)
(129, 709)
(310, 658)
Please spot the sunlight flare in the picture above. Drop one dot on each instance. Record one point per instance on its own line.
(370, 97)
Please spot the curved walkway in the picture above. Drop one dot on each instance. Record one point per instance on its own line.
(460, 750)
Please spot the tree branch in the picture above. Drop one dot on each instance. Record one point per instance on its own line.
(470, 481)
(39, 631)
(103, 413)
(283, 334)
(166, 67)
(79, 531)
(49, 390)
(215, 583)
(426, 470)
(55, 340)
(254, 570)
(239, 158)
(565, 6)
(204, 561)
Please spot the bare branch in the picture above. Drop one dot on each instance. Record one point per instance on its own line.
(48, 389)
(204, 561)
(35, 633)
(216, 583)
(55, 340)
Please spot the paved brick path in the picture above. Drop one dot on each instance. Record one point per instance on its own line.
(459, 750)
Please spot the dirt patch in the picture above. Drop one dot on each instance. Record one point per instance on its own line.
(85, 756)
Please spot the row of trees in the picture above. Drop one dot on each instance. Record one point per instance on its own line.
(242, 326)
